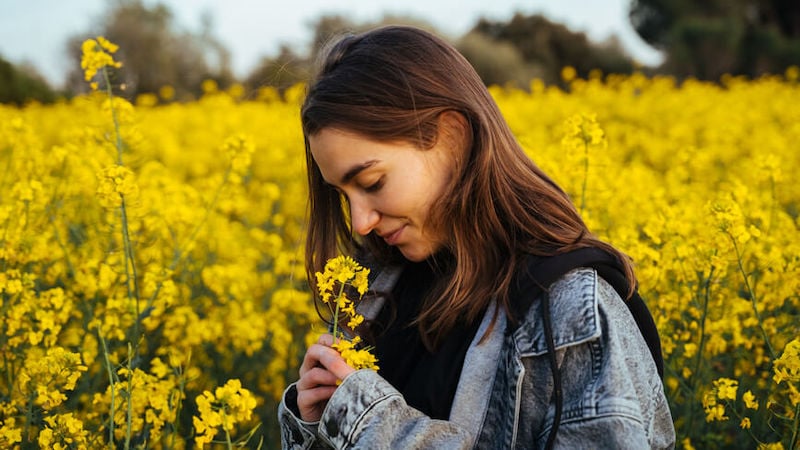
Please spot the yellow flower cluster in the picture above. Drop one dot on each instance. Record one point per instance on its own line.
(46, 377)
(115, 184)
(239, 150)
(112, 323)
(787, 367)
(227, 406)
(582, 131)
(339, 273)
(97, 54)
(64, 432)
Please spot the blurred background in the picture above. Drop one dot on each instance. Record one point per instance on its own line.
(256, 43)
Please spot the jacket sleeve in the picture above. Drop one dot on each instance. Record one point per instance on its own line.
(296, 434)
(367, 412)
(630, 407)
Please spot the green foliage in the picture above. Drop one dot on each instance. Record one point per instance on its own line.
(497, 63)
(549, 47)
(281, 71)
(708, 39)
(19, 85)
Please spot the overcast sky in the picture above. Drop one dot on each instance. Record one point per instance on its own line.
(36, 31)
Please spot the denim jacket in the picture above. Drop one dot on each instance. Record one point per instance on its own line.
(612, 394)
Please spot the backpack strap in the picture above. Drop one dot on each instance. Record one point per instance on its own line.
(539, 272)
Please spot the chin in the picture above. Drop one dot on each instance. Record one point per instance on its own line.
(415, 254)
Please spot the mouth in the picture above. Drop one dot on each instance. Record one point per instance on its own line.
(393, 237)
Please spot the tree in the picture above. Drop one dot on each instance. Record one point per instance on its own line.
(20, 84)
(290, 67)
(281, 72)
(713, 37)
(497, 62)
(155, 53)
(330, 26)
(550, 46)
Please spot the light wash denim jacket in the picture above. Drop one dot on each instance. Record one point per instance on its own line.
(612, 394)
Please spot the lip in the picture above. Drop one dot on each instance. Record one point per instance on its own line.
(393, 237)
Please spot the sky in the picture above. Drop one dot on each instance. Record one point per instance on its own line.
(36, 31)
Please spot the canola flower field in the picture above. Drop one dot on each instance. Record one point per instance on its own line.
(151, 279)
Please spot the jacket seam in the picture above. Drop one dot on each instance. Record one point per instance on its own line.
(517, 405)
(365, 412)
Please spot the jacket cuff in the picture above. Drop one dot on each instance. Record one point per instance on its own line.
(359, 393)
(295, 432)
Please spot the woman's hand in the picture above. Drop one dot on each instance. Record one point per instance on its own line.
(322, 367)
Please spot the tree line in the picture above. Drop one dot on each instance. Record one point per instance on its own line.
(702, 40)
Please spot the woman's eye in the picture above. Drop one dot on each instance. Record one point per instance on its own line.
(374, 187)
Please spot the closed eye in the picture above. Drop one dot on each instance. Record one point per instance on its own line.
(375, 187)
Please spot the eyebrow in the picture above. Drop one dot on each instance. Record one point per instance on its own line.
(355, 170)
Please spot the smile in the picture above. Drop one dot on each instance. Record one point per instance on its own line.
(394, 236)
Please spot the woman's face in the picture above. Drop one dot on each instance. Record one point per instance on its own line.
(390, 186)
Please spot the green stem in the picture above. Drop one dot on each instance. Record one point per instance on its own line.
(701, 345)
(118, 136)
(130, 271)
(29, 416)
(129, 413)
(227, 433)
(752, 298)
(111, 387)
(585, 173)
(181, 390)
(796, 428)
(336, 312)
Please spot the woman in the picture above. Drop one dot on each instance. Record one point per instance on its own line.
(413, 170)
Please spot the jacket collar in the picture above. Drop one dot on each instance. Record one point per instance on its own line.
(573, 310)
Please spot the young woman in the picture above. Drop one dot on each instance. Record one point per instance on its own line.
(413, 171)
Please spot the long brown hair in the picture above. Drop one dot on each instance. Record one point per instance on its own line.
(392, 84)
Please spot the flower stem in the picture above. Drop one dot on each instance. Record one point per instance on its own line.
(111, 388)
(585, 173)
(752, 298)
(130, 262)
(336, 313)
(129, 413)
(795, 428)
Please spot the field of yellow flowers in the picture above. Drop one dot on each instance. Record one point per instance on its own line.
(151, 278)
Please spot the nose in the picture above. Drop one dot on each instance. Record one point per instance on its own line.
(363, 217)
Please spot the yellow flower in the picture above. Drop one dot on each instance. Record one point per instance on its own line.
(771, 446)
(239, 150)
(787, 366)
(344, 270)
(116, 183)
(745, 423)
(750, 400)
(726, 388)
(63, 431)
(97, 54)
(582, 131)
(228, 405)
(568, 73)
(354, 357)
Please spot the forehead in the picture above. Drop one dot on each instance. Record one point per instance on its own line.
(337, 153)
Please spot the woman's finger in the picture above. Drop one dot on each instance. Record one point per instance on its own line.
(316, 377)
(309, 363)
(331, 360)
(312, 398)
(327, 357)
(325, 339)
